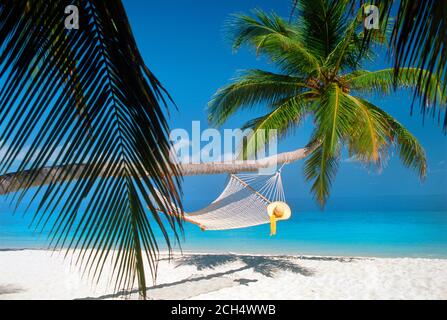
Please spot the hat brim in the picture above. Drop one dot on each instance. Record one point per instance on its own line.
(283, 207)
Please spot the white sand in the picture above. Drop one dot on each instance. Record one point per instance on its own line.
(33, 274)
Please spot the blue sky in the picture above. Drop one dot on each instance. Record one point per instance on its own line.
(183, 42)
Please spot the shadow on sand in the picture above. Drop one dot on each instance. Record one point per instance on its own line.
(197, 285)
(265, 265)
(9, 289)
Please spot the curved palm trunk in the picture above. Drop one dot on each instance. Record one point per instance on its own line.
(14, 182)
(194, 169)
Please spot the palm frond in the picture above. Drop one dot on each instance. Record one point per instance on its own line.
(420, 39)
(411, 152)
(250, 89)
(369, 135)
(383, 81)
(287, 115)
(334, 119)
(321, 168)
(351, 51)
(271, 35)
(121, 131)
(322, 23)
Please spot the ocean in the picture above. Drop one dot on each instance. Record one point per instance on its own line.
(378, 233)
(343, 233)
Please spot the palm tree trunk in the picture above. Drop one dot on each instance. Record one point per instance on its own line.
(195, 169)
(14, 182)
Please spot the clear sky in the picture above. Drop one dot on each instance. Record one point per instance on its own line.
(183, 42)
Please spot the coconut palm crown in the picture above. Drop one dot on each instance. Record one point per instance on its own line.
(320, 55)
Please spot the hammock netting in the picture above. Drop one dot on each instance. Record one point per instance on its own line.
(242, 204)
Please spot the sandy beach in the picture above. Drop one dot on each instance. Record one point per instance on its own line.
(39, 274)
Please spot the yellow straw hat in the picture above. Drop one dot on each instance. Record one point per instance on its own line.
(281, 208)
(278, 211)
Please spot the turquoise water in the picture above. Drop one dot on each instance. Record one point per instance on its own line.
(356, 233)
(383, 234)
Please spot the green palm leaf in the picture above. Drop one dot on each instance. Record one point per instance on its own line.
(287, 115)
(108, 212)
(351, 51)
(334, 117)
(418, 40)
(369, 133)
(321, 168)
(383, 81)
(322, 24)
(250, 89)
(410, 150)
(271, 35)
(334, 120)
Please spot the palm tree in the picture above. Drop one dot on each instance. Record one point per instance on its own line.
(320, 58)
(87, 97)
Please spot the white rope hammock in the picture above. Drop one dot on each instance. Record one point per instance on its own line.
(248, 200)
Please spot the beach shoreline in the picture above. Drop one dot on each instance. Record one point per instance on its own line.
(42, 274)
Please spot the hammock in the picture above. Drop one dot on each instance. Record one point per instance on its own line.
(248, 200)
